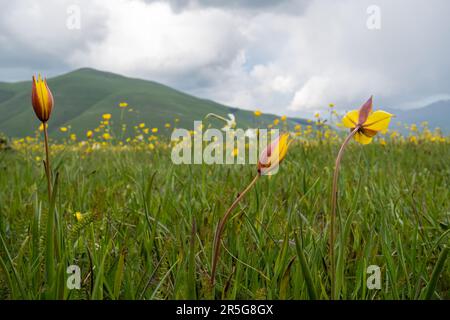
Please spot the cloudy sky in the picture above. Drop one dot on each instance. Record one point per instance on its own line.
(288, 56)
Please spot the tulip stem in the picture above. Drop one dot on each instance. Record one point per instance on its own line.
(47, 163)
(333, 209)
(221, 226)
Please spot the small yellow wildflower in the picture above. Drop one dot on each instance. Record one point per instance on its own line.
(106, 136)
(89, 134)
(79, 216)
(63, 129)
(142, 125)
(257, 113)
(155, 130)
(106, 116)
(167, 125)
(123, 105)
(41, 127)
(283, 118)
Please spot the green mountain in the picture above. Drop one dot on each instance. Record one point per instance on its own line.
(82, 96)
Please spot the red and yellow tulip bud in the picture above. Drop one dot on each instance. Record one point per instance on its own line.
(41, 99)
(273, 154)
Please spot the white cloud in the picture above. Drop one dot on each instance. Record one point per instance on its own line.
(292, 57)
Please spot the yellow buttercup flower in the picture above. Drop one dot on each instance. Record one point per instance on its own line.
(89, 134)
(106, 116)
(106, 136)
(123, 105)
(276, 122)
(257, 113)
(368, 123)
(63, 129)
(41, 99)
(283, 118)
(146, 130)
(155, 130)
(167, 125)
(79, 216)
(41, 126)
(142, 125)
(73, 137)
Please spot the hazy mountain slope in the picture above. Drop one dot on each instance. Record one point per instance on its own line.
(82, 96)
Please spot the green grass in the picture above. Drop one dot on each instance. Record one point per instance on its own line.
(149, 225)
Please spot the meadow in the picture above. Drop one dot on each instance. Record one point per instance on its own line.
(140, 227)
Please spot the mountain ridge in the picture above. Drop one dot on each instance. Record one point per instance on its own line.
(83, 95)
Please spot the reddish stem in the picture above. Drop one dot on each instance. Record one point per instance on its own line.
(333, 208)
(221, 226)
(47, 162)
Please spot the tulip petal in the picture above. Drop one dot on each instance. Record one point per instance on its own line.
(362, 138)
(350, 119)
(274, 153)
(365, 111)
(378, 121)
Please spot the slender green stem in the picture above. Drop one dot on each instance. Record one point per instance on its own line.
(333, 209)
(221, 225)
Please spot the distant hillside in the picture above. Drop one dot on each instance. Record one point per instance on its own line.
(82, 96)
(436, 114)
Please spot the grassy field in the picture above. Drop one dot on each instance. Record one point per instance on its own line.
(147, 226)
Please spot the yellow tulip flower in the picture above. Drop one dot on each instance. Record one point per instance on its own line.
(367, 123)
(41, 99)
(273, 154)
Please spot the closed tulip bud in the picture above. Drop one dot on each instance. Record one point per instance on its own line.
(273, 154)
(41, 99)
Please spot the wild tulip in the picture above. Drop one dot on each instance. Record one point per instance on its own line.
(269, 160)
(364, 124)
(42, 102)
